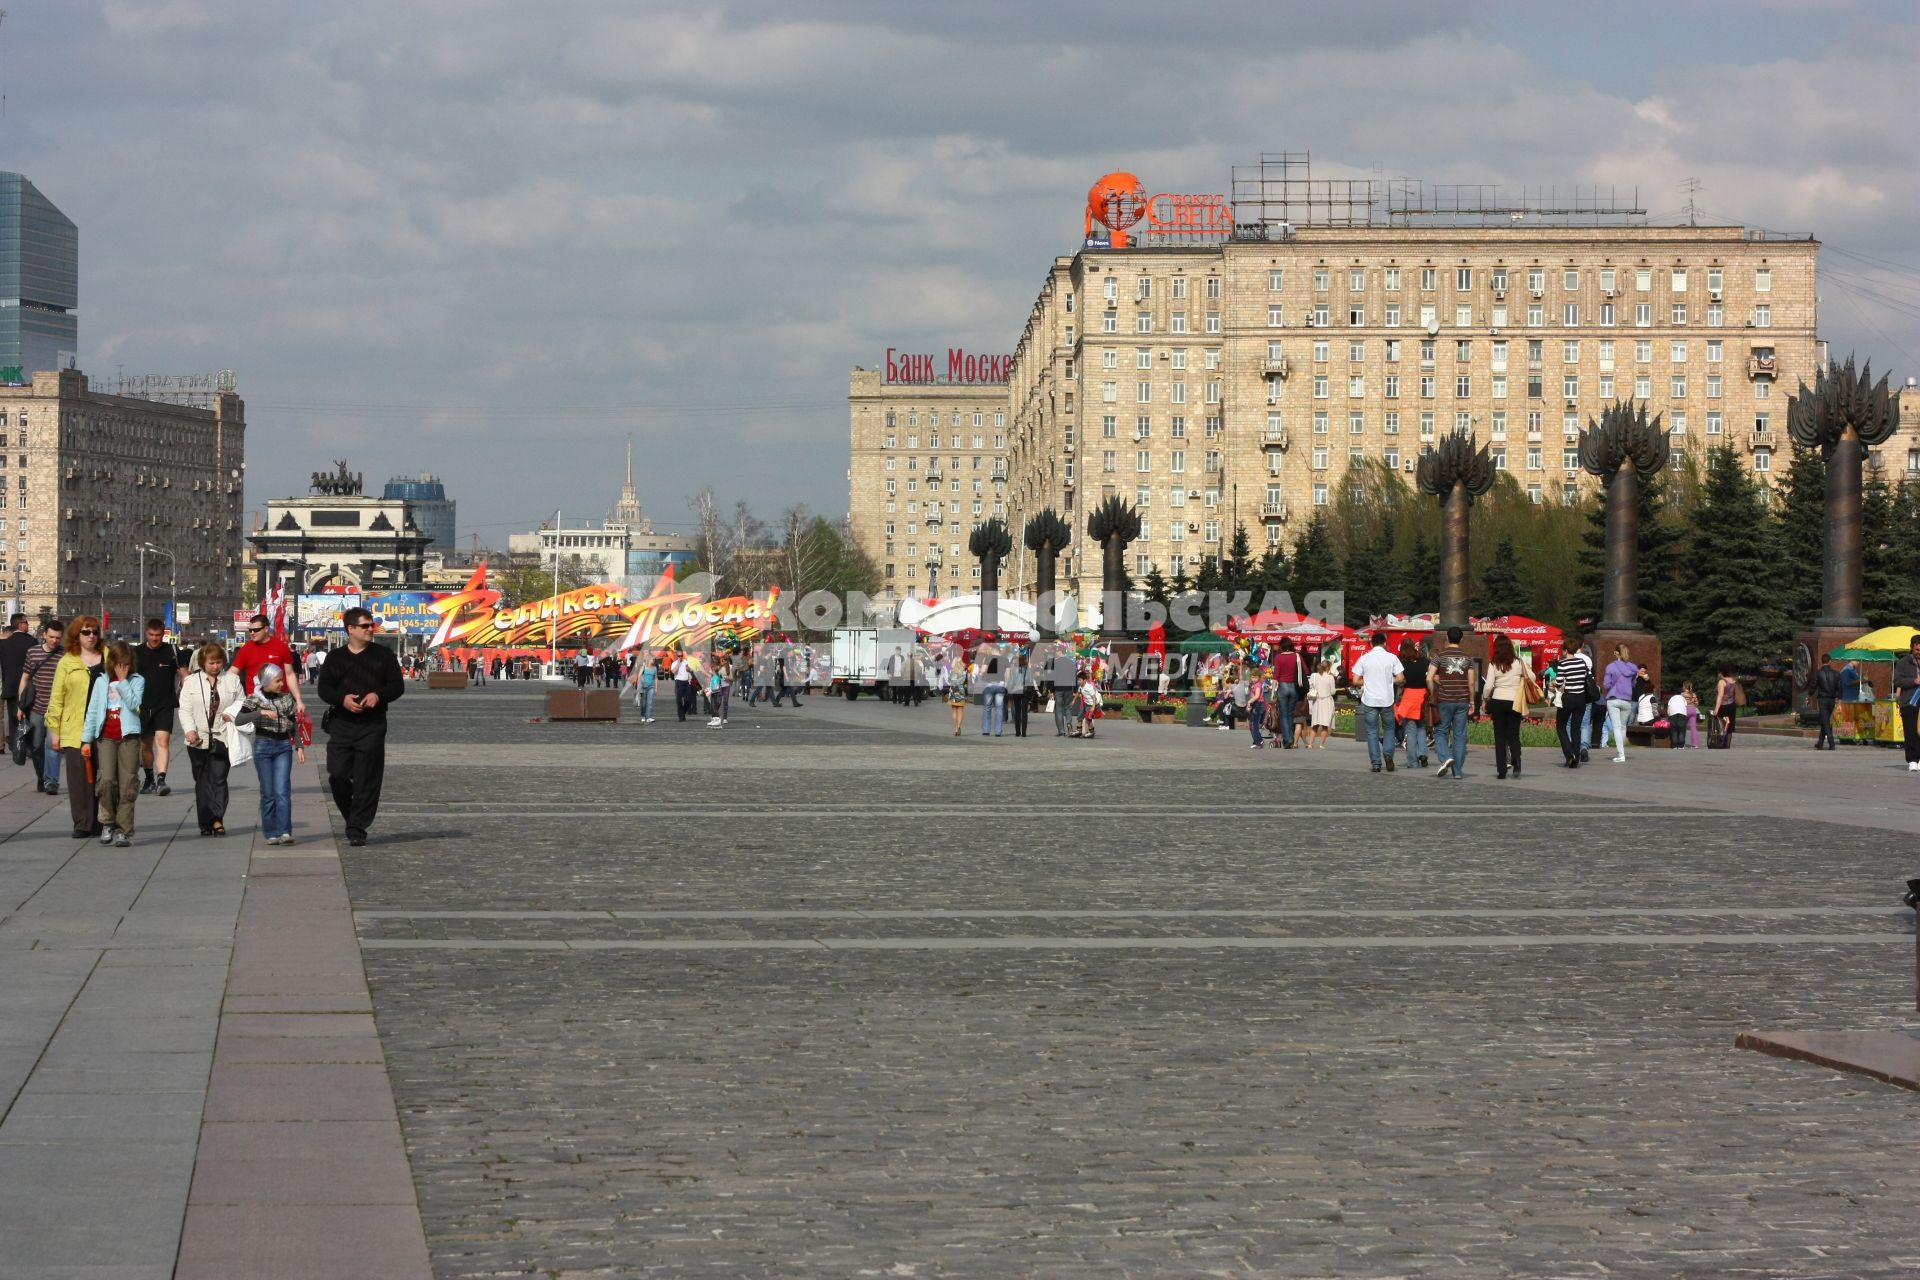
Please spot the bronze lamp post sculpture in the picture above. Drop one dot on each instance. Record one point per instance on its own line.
(1047, 535)
(990, 542)
(1455, 472)
(1624, 446)
(1843, 416)
(1113, 524)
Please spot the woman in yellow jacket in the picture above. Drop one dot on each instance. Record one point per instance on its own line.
(67, 717)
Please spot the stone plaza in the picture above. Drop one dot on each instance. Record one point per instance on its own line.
(831, 992)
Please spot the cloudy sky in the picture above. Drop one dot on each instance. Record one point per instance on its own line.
(490, 239)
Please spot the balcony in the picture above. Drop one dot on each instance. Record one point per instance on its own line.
(933, 474)
(1276, 367)
(1759, 366)
(1275, 438)
(1763, 439)
(1274, 511)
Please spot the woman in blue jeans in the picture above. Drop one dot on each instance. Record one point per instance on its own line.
(276, 741)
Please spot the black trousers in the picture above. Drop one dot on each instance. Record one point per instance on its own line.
(682, 697)
(1019, 701)
(1570, 723)
(1506, 735)
(1826, 722)
(356, 764)
(80, 797)
(210, 765)
(1910, 729)
(13, 718)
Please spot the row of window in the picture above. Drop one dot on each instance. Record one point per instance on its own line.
(1571, 423)
(953, 442)
(1678, 351)
(1428, 385)
(1606, 316)
(1609, 279)
(933, 420)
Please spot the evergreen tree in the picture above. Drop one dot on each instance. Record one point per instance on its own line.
(1271, 574)
(1371, 576)
(1418, 588)
(1903, 539)
(1208, 579)
(1239, 562)
(1880, 597)
(1799, 533)
(1734, 615)
(1314, 566)
(1501, 590)
(1155, 587)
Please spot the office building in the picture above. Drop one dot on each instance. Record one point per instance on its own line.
(39, 282)
(433, 510)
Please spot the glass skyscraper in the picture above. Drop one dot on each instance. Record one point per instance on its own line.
(39, 282)
(432, 508)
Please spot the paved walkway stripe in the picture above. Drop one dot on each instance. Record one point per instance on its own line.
(1018, 943)
(1155, 913)
(1613, 813)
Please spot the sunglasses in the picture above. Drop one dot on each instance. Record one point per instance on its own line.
(256, 631)
(360, 626)
(88, 631)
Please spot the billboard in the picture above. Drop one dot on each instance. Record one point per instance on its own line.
(322, 612)
(666, 618)
(405, 612)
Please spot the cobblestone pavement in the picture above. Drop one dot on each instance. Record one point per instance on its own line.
(832, 993)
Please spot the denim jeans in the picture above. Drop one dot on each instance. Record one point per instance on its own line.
(993, 709)
(1287, 698)
(273, 763)
(646, 701)
(1450, 732)
(1414, 734)
(1256, 713)
(1062, 708)
(1619, 712)
(1598, 729)
(46, 761)
(1376, 725)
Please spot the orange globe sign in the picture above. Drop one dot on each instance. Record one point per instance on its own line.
(1116, 202)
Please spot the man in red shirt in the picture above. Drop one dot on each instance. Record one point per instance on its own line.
(263, 647)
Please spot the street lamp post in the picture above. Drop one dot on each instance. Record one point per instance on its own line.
(102, 588)
(173, 580)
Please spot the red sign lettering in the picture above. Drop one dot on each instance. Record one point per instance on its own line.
(963, 367)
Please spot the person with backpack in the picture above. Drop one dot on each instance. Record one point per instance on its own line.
(1574, 684)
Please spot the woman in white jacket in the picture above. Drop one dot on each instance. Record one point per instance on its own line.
(208, 700)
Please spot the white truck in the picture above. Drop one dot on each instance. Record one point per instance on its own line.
(861, 656)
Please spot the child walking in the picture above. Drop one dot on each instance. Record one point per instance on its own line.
(276, 741)
(112, 735)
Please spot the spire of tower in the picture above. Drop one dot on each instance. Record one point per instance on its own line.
(627, 512)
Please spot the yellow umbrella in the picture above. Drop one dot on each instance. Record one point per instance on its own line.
(1886, 639)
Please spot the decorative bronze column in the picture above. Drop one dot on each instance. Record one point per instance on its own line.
(1047, 535)
(990, 542)
(1621, 448)
(1113, 524)
(1456, 472)
(1843, 416)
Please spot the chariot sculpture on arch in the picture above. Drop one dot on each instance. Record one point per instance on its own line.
(341, 483)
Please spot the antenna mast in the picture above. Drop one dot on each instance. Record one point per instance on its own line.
(1692, 186)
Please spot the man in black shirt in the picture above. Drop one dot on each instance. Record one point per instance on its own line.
(13, 659)
(357, 682)
(159, 665)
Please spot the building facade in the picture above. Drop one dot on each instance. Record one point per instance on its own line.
(433, 510)
(338, 542)
(622, 548)
(928, 463)
(94, 478)
(1239, 382)
(39, 282)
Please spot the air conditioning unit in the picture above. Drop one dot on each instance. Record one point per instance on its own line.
(1570, 404)
(1537, 293)
(1407, 465)
(1610, 292)
(1715, 295)
(1499, 295)
(1193, 493)
(1166, 355)
(1193, 528)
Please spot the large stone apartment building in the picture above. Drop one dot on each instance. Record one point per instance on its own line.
(95, 477)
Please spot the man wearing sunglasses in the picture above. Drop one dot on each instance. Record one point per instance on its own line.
(357, 682)
(261, 648)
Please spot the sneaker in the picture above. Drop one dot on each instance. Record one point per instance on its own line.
(1423, 762)
(122, 840)
(1222, 728)
(1619, 759)
(1389, 764)
(356, 838)
(287, 839)
(1446, 767)
(1376, 768)
(106, 836)
(146, 785)
(1583, 755)
(1912, 768)
(160, 785)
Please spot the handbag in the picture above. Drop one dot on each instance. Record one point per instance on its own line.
(1412, 703)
